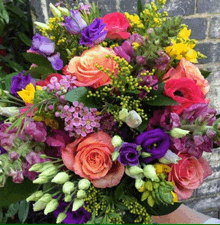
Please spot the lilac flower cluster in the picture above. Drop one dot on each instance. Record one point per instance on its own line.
(79, 120)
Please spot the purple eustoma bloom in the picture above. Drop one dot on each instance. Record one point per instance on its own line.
(94, 33)
(128, 154)
(74, 23)
(125, 51)
(156, 142)
(56, 62)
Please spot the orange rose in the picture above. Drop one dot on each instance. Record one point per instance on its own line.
(188, 70)
(90, 158)
(83, 67)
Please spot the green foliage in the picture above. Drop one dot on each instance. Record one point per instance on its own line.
(205, 73)
(162, 100)
(139, 7)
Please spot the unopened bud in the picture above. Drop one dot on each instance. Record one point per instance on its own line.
(50, 171)
(145, 155)
(46, 198)
(77, 204)
(84, 184)
(60, 178)
(56, 12)
(135, 170)
(115, 155)
(41, 25)
(51, 206)
(123, 114)
(117, 141)
(150, 172)
(41, 180)
(170, 157)
(36, 167)
(64, 11)
(139, 183)
(68, 187)
(13, 155)
(9, 111)
(37, 206)
(81, 194)
(67, 198)
(133, 119)
(61, 217)
(178, 132)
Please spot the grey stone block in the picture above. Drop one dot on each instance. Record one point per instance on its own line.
(212, 213)
(129, 6)
(198, 26)
(209, 6)
(106, 6)
(38, 10)
(211, 50)
(214, 31)
(209, 187)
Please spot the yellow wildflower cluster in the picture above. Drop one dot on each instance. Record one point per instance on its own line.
(182, 47)
(114, 45)
(161, 168)
(134, 20)
(162, 2)
(135, 45)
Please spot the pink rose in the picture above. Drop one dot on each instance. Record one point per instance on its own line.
(188, 174)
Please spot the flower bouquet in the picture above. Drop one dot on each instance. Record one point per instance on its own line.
(110, 122)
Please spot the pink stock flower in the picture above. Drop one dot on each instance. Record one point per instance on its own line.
(188, 174)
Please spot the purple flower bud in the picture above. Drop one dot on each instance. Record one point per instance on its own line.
(56, 61)
(18, 177)
(125, 51)
(210, 134)
(137, 38)
(13, 155)
(57, 114)
(198, 140)
(141, 60)
(50, 107)
(162, 61)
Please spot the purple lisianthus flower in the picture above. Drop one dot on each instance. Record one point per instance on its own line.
(19, 82)
(156, 142)
(56, 61)
(178, 144)
(42, 45)
(80, 216)
(94, 33)
(74, 23)
(128, 154)
(125, 51)
(2, 150)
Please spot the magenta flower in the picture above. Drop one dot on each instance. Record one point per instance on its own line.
(162, 61)
(125, 51)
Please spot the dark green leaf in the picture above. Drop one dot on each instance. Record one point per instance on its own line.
(23, 211)
(25, 39)
(1, 214)
(12, 193)
(162, 100)
(15, 10)
(80, 94)
(205, 73)
(40, 72)
(12, 210)
(143, 126)
(139, 7)
(120, 188)
(37, 59)
(7, 80)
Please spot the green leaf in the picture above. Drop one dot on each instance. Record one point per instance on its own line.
(143, 126)
(12, 210)
(25, 39)
(40, 72)
(37, 59)
(139, 7)
(80, 94)
(162, 100)
(23, 211)
(205, 73)
(12, 192)
(1, 214)
(7, 80)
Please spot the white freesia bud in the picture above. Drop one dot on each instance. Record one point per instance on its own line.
(84, 184)
(41, 25)
(9, 111)
(133, 119)
(68, 187)
(138, 176)
(81, 194)
(56, 12)
(117, 141)
(61, 178)
(41, 180)
(135, 170)
(115, 155)
(178, 133)
(61, 217)
(150, 172)
(67, 198)
(139, 183)
(35, 196)
(46, 198)
(64, 11)
(123, 114)
(50, 171)
(170, 157)
(77, 204)
(51, 206)
(37, 206)
(36, 167)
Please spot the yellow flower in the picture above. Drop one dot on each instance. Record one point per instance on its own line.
(191, 56)
(27, 94)
(175, 197)
(142, 189)
(48, 121)
(184, 34)
(160, 168)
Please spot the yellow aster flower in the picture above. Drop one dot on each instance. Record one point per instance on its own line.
(184, 33)
(27, 94)
(160, 168)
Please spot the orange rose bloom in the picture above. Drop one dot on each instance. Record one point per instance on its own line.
(83, 67)
(188, 70)
(90, 158)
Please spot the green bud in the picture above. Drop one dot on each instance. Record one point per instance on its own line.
(117, 141)
(145, 195)
(67, 198)
(43, 156)
(115, 155)
(148, 185)
(81, 194)
(35, 196)
(156, 185)
(84, 184)
(56, 12)
(51, 206)
(41, 180)
(50, 171)
(178, 133)
(123, 114)
(1, 171)
(135, 170)
(41, 25)
(61, 217)
(139, 183)
(60, 178)
(68, 187)
(45, 167)
(77, 204)
(150, 172)
(69, 52)
(9, 111)
(64, 11)
(39, 206)
(139, 148)
(145, 155)
(150, 201)
(46, 198)
(2, 180)
(36, 167)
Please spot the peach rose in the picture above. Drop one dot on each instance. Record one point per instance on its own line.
(188, 70)
(90, 158)
(188, 174)
(83, 67)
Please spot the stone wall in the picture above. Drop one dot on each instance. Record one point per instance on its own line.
(203, 17)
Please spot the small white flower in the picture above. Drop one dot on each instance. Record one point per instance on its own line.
(133, 119)
(178, 133)
(170, 157)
